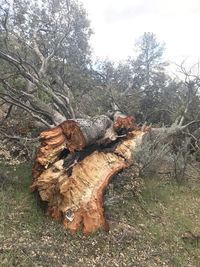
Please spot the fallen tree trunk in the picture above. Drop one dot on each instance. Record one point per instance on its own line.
(75, 135)
(77, 159)
(75, 163)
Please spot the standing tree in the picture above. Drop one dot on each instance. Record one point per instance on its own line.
(149, 72)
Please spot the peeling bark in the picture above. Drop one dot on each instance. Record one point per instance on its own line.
(72, 168)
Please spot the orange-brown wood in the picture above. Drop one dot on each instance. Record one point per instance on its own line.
(127, 123)
(75, 139)
(76, 198)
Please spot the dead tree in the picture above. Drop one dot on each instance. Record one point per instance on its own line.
(77, 159)
(75, 163)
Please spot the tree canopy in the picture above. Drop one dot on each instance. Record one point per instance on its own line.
(47, 70)
(45, 46)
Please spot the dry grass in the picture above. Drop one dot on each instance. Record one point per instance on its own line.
(159, 226)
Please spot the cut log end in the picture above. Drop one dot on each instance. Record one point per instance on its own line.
(75, 198)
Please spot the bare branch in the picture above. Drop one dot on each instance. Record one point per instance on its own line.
(189, 124)
(16, 137)
(7, 114)
(36, 47)
(24, 107)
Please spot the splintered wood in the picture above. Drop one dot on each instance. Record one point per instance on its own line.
(74, 192)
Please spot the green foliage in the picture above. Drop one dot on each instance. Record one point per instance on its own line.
(32, 31)
(52, 20)
(149, 74)
(139, 85)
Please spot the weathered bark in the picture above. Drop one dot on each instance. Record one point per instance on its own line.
(73, 181)
(77, 159)
(72, 135)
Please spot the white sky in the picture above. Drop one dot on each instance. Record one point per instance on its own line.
(118, 24)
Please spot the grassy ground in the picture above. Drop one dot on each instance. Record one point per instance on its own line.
(160, 226)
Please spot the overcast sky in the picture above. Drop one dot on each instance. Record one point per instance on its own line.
(118, 23)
